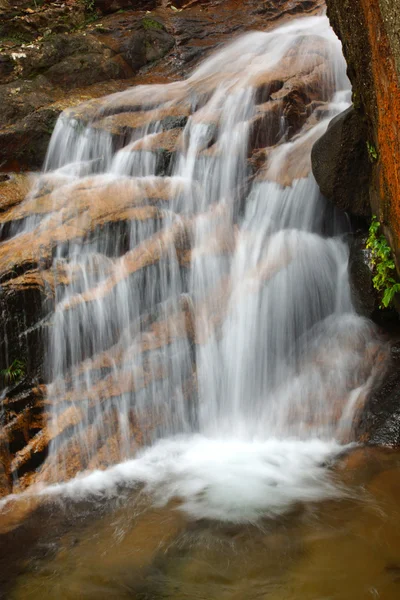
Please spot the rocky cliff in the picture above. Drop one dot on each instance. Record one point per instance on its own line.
(369, 31)
(357, 165)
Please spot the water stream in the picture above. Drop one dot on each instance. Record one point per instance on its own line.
(233, 353)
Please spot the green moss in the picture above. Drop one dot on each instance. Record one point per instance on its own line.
(372, 152)
(151, 23)
(15, 38)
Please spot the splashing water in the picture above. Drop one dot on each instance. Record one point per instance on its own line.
(203, 292)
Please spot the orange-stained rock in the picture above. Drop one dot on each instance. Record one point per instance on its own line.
(166, 141)
(368, 30)
(77, 211)
(126, 123)
(146, 254)
(13, 189)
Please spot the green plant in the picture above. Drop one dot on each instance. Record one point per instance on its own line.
(372, 152)
(14, 372)
(383, 264)
(88, 5)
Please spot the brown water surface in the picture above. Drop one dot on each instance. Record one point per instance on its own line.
(347, 549)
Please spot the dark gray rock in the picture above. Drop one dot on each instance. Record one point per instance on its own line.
(21, 98)
(380, 421)
(364, 296)
(26, 141)
(173, 122)
(148, 42)
(6, 66)
(341, 165)
(110, 6)
(84, 69)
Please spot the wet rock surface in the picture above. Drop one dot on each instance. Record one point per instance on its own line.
(365, 297)
(56, 55)
(380, 422)
(367, 29)
(341, 165)
(83, 211)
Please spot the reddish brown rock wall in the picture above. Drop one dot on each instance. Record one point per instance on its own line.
(367, 29)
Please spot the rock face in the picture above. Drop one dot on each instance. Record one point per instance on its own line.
(83, 209)
(368, 30)
(36, 79)
(369, 133)
(129, 48)
(341, 164)
(364, 296)
(380, 422)
(57, 55)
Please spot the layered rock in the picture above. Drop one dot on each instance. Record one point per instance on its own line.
(57, 55)
(60, 211)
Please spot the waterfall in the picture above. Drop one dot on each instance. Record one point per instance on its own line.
(203, 333)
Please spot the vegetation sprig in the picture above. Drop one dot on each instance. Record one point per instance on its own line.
(372, 152)
(14, 372)
(384, 268)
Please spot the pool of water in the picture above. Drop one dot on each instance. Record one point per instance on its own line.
(346, 548)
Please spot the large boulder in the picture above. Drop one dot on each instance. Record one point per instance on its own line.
(341, 164)
(72, 61)
(22, 23)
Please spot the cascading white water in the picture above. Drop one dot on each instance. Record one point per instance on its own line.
(282, 361)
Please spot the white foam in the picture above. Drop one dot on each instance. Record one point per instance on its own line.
(226, 480)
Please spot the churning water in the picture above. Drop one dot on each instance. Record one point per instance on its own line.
(217, 325)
